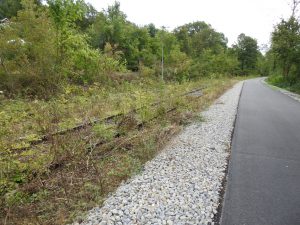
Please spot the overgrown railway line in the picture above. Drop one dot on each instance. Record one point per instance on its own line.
(113, 119)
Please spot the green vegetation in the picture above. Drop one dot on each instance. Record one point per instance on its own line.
(282, 82)
(58, 180)
(282, 60)
(247, 52)
(10, 8)
(64, 65)
(45, 48)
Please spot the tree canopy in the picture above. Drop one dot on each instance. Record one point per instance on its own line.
(9, 8)
(85, 46)
(286, 44)
(247, 52)
(282, 61)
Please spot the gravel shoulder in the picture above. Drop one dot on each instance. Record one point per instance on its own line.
(182, 184)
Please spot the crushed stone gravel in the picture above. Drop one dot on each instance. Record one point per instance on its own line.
(181, 185)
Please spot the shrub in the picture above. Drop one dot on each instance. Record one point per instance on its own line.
(37, 59)
(27, 54)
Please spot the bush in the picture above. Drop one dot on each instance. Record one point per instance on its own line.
(146, 71)
(290, 83)
(27, 55)
(210, 63)
(34, 63)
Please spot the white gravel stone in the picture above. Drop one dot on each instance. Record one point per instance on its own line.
(182, 184)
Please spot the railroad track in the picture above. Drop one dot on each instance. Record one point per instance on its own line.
(108, 120)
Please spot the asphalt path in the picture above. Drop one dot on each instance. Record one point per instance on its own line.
(263, 185)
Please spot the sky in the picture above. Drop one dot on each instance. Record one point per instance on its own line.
(255, 18)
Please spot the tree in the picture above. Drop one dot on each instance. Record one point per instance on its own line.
(207, 48)
(137, 44)
(64, 14)
(199, 36)
(88, 18)
(247, 53)
(152, 30)
(27, 53)
(295, 4)
(286, 44)
(110, 26)
(9, 8)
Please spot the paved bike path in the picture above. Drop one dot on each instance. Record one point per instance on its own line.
(263, 186)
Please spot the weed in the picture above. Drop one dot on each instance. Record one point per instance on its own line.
(56, 181)
(104, 132)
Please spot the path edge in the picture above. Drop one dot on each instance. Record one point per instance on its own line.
(222, 194)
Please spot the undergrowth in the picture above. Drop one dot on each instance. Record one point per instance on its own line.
(291, 84)
(57, 181)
